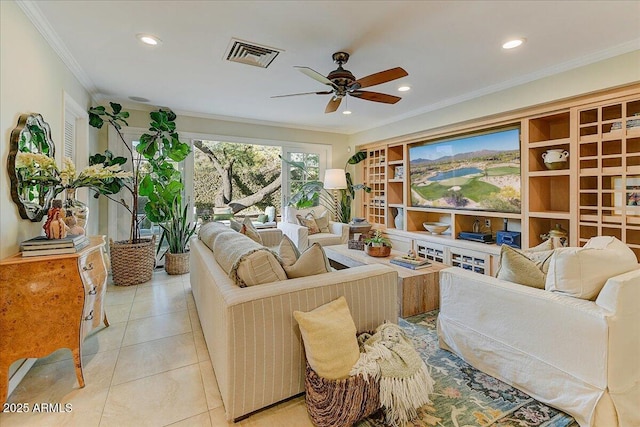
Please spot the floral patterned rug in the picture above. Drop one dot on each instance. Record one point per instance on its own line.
(464, 396)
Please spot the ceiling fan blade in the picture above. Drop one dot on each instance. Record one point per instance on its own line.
(315, 75)
(379, 78)
(333, 105)
(326, 92)
(375, 96)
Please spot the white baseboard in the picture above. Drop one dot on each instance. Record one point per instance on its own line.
(20, 373)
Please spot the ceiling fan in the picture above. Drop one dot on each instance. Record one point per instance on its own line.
(343, 83)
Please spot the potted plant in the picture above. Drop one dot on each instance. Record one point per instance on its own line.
(377, 245)
(313, 192)
(176, 232)
(132, 260)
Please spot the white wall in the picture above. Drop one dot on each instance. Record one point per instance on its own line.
(616, 71)
(33, 80)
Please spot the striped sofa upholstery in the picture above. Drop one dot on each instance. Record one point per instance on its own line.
(253, 340)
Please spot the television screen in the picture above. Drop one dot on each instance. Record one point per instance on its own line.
(475, 172)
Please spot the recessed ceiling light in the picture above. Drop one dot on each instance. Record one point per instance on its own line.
(511, 44)
(347, 112)
(148, 39)
(404, 88)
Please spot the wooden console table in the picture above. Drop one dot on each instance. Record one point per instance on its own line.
(418, 290)
(50, 302)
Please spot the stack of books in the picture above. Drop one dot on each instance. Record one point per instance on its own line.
(42, 246)
(412, 263)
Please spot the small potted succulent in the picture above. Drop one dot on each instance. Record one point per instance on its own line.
(377, 245)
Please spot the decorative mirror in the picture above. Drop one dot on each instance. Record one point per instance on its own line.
(32, 168)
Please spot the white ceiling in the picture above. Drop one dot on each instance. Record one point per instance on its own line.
(451, 50)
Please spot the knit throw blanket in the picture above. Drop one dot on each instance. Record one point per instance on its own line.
(405, 382)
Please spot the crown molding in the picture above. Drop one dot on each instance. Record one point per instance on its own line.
(602, 55)
(35, 15)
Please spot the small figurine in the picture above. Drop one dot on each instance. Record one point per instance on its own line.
(55, 227)
(411, 254)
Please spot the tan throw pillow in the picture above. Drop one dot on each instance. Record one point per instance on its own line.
(329, 336)
(312, 261)
(250, 231)
(310, 223)
(259, 267)
(322, 221)
(288, 252)
(517, 267)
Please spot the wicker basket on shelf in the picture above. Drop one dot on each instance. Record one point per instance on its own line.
(132, 263)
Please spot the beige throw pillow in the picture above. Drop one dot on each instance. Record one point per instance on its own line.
(329, 336)
(235, 225)
(524, 268)
(288, 252)
(582, 272)
(312, 261)
(322, 221)
(250, 231)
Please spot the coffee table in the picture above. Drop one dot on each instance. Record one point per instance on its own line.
(418, 290)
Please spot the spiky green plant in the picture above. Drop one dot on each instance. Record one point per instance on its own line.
(177, 230)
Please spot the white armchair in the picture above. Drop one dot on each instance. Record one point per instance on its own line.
(299, 235)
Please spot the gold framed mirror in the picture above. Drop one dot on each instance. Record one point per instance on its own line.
(31, 166)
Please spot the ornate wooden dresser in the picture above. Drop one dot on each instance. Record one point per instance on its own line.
(50, 302)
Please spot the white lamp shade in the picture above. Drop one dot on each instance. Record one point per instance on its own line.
(335, 179)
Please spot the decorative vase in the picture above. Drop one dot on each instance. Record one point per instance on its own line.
(556, 159)
(176, 263)
(399, 219)
(77, 213)
(377, 251)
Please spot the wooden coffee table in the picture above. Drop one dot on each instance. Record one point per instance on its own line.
(418, 290)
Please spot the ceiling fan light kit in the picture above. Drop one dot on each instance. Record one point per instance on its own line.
(343, 83)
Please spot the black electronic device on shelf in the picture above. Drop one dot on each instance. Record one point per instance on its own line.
(476, 237)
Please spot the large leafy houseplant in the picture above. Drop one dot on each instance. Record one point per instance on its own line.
(313, 192)
(155, 178)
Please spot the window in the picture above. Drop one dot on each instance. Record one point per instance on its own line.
(298, 177)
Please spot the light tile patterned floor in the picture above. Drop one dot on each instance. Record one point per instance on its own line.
(149, 368)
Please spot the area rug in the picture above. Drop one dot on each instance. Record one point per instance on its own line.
(464, 396)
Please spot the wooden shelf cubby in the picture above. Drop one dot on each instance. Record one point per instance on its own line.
(590, 196)
(609, 171)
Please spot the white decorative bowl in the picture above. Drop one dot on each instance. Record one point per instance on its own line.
(435, 227)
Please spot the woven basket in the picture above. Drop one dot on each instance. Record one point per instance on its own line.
(337, 403)
(132, 263)
(176, 263)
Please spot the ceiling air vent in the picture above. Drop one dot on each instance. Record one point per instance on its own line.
(251, 53)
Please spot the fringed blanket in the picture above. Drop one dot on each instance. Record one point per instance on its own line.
(405, 382)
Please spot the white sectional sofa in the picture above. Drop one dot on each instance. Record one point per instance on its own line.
(254, 342)
(579, 355)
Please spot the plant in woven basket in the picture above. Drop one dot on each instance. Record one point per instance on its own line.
(178, 230)
(157, 148)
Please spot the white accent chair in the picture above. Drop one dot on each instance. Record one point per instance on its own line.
(299, 235)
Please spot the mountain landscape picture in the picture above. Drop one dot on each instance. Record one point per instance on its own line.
(478, 172)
